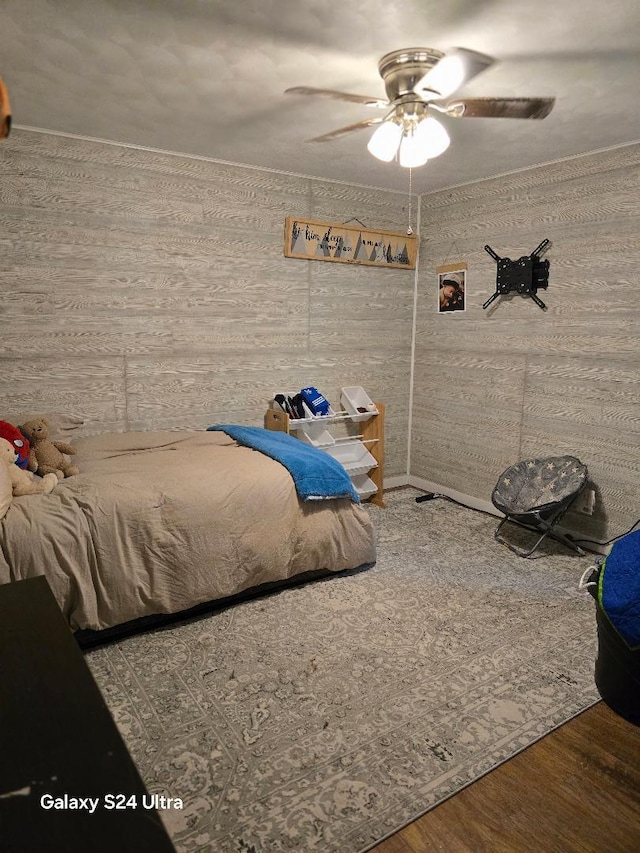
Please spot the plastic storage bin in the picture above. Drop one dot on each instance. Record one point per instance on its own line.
(353, 455)
(364, 486)
(354, 398)
(316, 434)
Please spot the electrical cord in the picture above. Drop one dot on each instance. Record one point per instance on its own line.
(609, 541)
(429, 496)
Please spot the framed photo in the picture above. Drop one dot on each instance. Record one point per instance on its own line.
(452, 288)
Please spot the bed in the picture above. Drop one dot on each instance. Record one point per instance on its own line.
(162, 522)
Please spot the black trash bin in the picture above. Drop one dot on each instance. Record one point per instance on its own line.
(617, 672)
(617, 668)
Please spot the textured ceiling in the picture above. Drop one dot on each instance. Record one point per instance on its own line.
(207, 78)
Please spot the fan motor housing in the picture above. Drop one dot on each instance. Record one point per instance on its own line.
(401, 70)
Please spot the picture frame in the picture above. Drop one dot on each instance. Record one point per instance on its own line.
(452, 288)
(338, 242)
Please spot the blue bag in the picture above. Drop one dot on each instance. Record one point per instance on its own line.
(315, 401)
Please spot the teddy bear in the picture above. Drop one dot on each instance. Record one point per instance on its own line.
(24, 482)
(48, 454)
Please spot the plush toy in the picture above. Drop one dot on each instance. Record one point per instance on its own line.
(20, 444)
(48, 454)
(24, 482)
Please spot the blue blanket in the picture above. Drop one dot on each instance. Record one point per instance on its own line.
(619, 588)
(316, 475)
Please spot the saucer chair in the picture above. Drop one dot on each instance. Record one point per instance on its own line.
(535, 494)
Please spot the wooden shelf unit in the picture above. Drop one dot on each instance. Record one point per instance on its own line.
(372, 435)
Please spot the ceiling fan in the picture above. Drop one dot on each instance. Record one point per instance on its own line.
(418, 82)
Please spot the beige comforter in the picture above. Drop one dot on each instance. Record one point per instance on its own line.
(159, 522)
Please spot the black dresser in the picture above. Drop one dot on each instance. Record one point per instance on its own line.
(67, 781)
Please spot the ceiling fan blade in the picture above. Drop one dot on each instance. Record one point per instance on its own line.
(359, 125)
(456, 67)
(339, 96)
(500, 107)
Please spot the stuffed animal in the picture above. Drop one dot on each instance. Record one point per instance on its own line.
(48, 454)
(24, 482)
(20, 444)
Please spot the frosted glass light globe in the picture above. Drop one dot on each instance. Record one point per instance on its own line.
(384, 142)
(433, 138)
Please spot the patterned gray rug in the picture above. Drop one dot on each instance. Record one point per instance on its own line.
(324, 717)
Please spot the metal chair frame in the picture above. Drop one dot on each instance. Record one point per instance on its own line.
(553, 514)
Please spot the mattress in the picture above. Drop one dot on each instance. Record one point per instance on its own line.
(159, 522)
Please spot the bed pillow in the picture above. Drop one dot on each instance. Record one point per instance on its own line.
(6, 491)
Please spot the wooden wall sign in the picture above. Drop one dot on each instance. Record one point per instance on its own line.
(315, 240)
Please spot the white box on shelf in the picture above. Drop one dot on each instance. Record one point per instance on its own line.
(354, 398)
(364, 486)
(353, 456)
(316, 434)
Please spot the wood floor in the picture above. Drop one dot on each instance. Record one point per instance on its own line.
(577, 789)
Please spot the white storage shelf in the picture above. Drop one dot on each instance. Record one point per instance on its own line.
(353, 453)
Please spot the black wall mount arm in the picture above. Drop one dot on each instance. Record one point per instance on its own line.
(524, 276)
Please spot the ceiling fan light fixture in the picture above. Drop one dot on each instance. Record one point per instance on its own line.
(411, 153)
(385, 140)
(417, 80)
(432, 137)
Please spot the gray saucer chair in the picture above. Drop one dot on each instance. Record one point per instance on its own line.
(535, 494)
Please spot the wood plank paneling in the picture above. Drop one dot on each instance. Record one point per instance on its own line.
(90, 389)
(341, 202)
(466, 418)
(612, 458)
(91, 199)
(171, 267)
(159, 282)
(175, 170)
(492, 191)
(584, 391)
(575, 389)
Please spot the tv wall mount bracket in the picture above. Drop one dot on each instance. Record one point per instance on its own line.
(524, 276)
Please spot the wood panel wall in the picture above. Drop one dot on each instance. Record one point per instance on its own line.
(492, 387)
(141, 290)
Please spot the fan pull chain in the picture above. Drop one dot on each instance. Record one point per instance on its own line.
(410, 228)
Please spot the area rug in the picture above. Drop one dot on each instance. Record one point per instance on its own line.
(326, 716)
